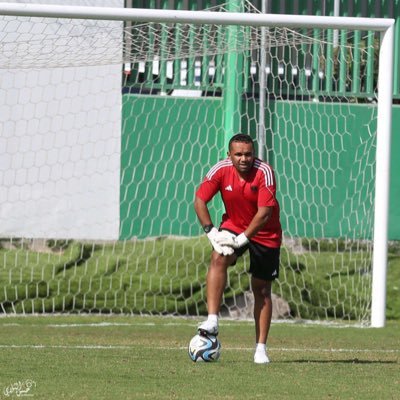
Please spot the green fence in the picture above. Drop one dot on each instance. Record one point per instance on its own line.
(311, 78)
(163, 132)
(165, 155)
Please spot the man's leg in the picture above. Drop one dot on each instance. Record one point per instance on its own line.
(262, 316)
(216, 282)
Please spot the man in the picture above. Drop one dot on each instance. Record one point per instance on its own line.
(251, 222)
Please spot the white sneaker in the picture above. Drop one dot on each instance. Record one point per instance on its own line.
(261, 357)
(208, 328)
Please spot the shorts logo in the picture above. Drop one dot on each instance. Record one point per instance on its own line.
(274, 273)
(229, 188)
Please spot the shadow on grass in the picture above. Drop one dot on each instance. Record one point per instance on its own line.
(350, 361)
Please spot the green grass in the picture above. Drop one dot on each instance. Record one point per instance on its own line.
(167, 276)
(104, 357)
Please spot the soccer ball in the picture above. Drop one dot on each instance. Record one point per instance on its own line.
(204, 348)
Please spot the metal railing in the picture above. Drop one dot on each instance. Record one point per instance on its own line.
(353, 76)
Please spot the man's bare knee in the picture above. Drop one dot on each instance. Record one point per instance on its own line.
(266, 291)
(219, 261)
(261, 289)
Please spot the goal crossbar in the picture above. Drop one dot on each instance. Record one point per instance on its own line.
(194, 17)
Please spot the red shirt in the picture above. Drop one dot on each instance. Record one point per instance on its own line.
(243, 197)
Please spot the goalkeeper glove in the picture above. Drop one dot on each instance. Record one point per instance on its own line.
(233, 240)
(214, 238)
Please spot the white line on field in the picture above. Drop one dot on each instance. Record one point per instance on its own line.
(167, 324)
(161, 321)
(122, 347)
(111, 324)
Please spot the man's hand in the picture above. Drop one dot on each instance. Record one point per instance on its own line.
(227, 250)
(214, 236)
(231, 240)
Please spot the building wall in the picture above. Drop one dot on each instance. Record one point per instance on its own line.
(60, 131)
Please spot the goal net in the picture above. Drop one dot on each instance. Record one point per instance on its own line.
(109, 125)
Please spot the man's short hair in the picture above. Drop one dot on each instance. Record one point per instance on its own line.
(241, 138)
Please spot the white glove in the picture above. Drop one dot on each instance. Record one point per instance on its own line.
(214, 237)
(227, 250)
(231, 240)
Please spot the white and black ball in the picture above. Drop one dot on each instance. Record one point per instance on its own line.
(204, 348)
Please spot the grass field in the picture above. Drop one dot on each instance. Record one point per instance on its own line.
(121, 357)
(167, 276)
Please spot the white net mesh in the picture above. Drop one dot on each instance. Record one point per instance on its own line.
(97, 212)
(100, 42)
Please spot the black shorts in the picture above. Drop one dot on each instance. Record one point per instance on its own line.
(264, 261)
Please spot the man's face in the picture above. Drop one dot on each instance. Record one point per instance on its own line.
(242, 156)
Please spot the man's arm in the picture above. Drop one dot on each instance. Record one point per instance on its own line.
(200, 206)
(258, 222)
(213, 234)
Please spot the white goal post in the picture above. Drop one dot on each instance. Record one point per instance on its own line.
(384, 94)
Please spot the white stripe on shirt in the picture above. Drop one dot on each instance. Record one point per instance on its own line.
(222, 164)
(267, 171)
